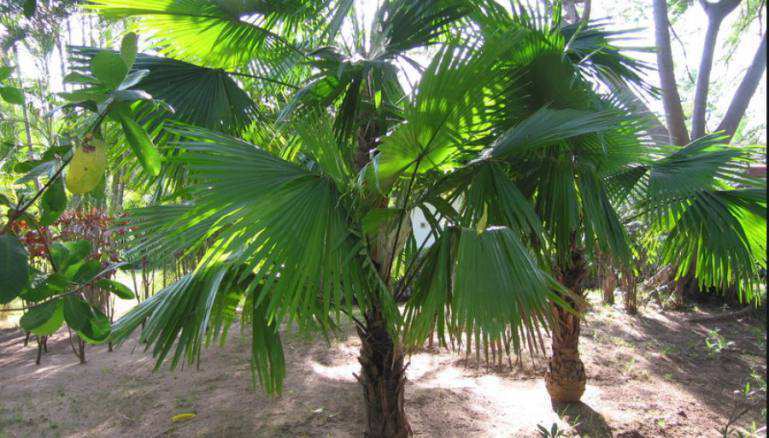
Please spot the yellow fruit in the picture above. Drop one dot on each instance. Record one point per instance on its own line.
(183, 417)
(87, 166)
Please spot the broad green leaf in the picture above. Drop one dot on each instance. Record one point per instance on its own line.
(26, 166)
(133, 78)
(12, 95)
(57, 282)
(44, 168)
(41, 292)
(128, 49)
(117, 288)
(14, 268)
(89, 323)
(53, 203)
(5, 72)
(87, 271)
(96, 94)
(65, 254)
(99, 328)
(139, 140)
(29, 8)
(109, 68)
(77, 313)
(130, 95)
(55, 151)
(44, 319)
(371, 221)
(79, 78)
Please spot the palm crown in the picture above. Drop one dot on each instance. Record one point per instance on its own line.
(504, 145)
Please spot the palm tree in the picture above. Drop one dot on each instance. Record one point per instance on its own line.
(303, 218)
(698, 206)
(504, 144)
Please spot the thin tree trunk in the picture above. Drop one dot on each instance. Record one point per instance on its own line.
(684, 287)
(671, 101)
(608, 284)
(62, 60)
(383, 378)
(716, 13)
(745, 91)
(117, 191)
(631, 293)
(39, 350)
(565, 378)
(25, 113)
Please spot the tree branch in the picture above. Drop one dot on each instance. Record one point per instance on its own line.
(716, 13)
(671, 100)
(745, 91)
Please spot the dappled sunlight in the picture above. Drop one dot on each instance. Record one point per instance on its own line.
(342, 372)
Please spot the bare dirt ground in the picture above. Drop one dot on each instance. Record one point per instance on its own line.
(650, 375)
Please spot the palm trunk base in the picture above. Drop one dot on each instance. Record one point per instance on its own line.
(565, 379)
(383, 378)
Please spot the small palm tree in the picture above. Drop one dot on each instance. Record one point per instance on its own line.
(504, 145)
(701, 212)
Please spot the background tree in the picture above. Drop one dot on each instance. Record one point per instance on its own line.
(676, 121)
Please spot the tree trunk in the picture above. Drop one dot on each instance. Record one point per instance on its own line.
(565, 378)
(685, 286)
(716, 13)
(25, 113)
(745, 91)
(631, 293)
(671, 101)
(608, 284)
(383, 377)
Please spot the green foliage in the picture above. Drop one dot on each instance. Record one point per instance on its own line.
(109, 68)
(14, 268)
(117, 288)
(89, 322)
(12, 95)
(44, 319)
(505, 145)
(138, 139)
(553, 432)
(53, 203)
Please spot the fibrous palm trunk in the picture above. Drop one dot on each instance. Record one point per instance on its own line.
(631, 293)
(383, 377)
(565, 379)
(608, 282)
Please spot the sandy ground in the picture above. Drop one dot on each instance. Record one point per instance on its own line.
(649, 376)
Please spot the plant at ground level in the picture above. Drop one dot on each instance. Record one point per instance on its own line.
(716, 343)
(553, 432)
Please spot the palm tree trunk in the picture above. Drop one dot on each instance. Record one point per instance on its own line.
(608, 284)
(565, 378)
(630, 295)
(383, 378)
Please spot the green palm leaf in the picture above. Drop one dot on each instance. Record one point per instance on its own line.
(205, 32)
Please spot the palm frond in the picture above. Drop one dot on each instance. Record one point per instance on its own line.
(197, 95)
(205, 32)
(484, 284)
